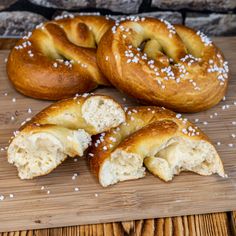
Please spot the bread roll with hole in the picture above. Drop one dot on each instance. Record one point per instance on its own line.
(58, 59)
(156, 139)
(163, 64)
(62, 129)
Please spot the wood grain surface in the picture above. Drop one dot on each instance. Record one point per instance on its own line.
(216, 224)
(31, 207)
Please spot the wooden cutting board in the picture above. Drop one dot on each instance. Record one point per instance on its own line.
(52, 201)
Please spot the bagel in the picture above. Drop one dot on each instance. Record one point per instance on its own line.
(163, 64)
(58, 59)
(60, 130)
(162, 141)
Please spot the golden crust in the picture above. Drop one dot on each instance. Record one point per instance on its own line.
(165, 65)
(69, 125)
(67, 113)
(150, 125)
(36, 65)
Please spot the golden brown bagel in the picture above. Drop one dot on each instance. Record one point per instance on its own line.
(60, 130)
(58, 59)
(158, 138)
(162, 64)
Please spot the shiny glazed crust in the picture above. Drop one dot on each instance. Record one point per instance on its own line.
(146, 130)
(58, 59)
(163, 64)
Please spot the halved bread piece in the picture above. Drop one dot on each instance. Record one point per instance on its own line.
(156, 139)
(61, 130)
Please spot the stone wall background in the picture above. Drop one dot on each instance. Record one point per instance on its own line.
(213, 17)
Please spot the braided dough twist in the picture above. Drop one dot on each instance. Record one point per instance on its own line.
(62, 129)
(163, 64)
(157, 138)
(58, 59)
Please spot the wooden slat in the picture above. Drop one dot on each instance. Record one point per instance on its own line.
(196, 225)
(7, 43)
(233, 222)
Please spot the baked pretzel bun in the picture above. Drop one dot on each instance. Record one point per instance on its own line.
(58, 59)
(156, 138)
(62, 129)
(163, 64)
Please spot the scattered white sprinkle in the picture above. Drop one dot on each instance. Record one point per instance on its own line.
(205, 123)
(75, 159)
(12, 118)
(11, 195)
(233, 135)
(42, 188)
(178, 116)
(13, 99)
(5, 60)
(5, 94)
(230, 144)
(1, 197)
(204, 38)
(48, 192)
(96, 195)
(55, 65)
(218, 143)
(29, 111)
(76, 189)
(196, 120)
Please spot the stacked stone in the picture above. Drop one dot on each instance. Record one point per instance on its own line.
(213, 17)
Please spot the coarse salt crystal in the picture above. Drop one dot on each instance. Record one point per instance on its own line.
(55, 65)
